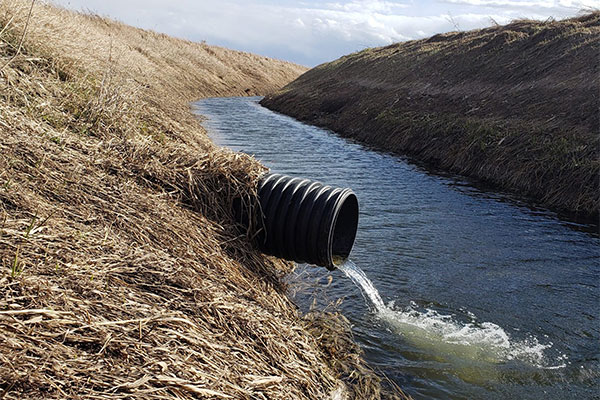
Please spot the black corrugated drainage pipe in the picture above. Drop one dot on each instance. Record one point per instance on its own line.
(306, 221)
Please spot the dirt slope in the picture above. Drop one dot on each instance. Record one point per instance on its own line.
(514, 105)
(122, 272)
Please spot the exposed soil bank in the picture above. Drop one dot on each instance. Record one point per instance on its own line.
(123, 274)
(514, 105)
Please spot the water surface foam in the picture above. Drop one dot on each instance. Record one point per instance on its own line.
(444, 335)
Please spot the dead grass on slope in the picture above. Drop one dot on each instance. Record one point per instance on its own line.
(123, 274)
(514, 105)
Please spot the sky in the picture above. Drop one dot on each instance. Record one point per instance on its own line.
(312, 32)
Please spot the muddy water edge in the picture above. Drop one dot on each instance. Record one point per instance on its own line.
(483, 295)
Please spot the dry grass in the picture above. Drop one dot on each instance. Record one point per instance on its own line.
(123, 274)
(514, 105)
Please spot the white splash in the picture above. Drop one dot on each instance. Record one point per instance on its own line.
(443, 335)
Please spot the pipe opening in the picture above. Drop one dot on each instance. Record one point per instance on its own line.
(345, 226)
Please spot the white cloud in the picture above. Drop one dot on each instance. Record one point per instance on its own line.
(559, 7)
(311, 32)
(505, 3)
(580, 4)
(386, 7)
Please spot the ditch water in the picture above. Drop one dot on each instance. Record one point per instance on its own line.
(460, 292)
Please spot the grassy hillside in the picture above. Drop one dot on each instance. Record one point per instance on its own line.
(514, 105)
(122, 273)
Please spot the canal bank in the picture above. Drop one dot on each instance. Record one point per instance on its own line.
(515, 106)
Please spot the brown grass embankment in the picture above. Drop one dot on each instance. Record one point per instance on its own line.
(122, 272)
(515, 105)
